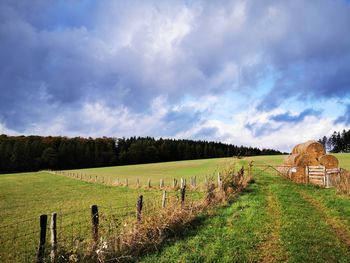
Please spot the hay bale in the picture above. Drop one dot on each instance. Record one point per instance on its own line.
(284, 170)
(313, 148)
(306, 160)
(298, 174)
(292, 159)
(295, 148)
(328, 161)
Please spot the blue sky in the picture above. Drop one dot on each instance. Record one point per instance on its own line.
(261, 73)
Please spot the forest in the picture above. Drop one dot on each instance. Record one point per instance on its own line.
(33, 153)
(337, 142)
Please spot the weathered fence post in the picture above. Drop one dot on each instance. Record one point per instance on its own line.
(174, 182)
(183, 193)
(138, 183)
(205, 180)
(163, 199)
(161, 184)
(183, 183)
(195, 181)
(149, 183)
(219, 181)
(42, 241)
(139, 208)
(94, 223)
(126, 182)
(53, 228)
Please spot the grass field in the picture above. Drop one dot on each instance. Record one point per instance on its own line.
(157, 171)
(23, 197)
(274, 220)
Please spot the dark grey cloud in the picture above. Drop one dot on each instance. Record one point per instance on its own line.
(59, 55)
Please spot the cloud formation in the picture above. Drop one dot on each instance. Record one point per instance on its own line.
(164, 68)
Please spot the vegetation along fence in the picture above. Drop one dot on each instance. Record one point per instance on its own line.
(101, 234)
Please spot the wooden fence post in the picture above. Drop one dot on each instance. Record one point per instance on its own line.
(138, 183)
(161, 184)
(205, 180)
(94, 223)
(149, 183)
(174, 183)
(183, 193)
(219, 181)
(163, 199)
(195, 181)
(53, 228)
(42, 241)
(139, 208)
(126, 182)
(183, 183)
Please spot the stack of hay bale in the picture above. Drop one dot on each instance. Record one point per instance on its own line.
(310, 153)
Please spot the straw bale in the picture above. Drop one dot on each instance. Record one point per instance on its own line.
(328, 161)
(292, 159)
(284, 170)
(297, 174)
(306, 160)
(313, 148)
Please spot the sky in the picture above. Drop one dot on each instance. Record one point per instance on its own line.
(257, 73)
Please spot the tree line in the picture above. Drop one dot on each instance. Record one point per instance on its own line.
(337, 142)
(33, 153)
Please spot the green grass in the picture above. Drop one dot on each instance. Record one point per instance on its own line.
(24, 197)
(271, 221)
(157, 171)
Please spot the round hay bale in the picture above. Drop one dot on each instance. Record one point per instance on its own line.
(295, 149)
(329, 161)
(292, 159)
(284, 170)
(306, 160)
(313, 148)
(298, 174)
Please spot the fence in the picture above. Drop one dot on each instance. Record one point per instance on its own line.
(337, 178)
(174, 184)
(60, 235)
(19, 241)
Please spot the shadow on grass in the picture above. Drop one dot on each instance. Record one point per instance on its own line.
(200, 222)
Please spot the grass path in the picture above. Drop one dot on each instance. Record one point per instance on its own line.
(339, 228)
(271, 250)
(274, 220)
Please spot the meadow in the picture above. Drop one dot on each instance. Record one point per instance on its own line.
(25, 196)
(158, 171)
(275, 219)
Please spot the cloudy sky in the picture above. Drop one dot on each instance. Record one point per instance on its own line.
(261, 73)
